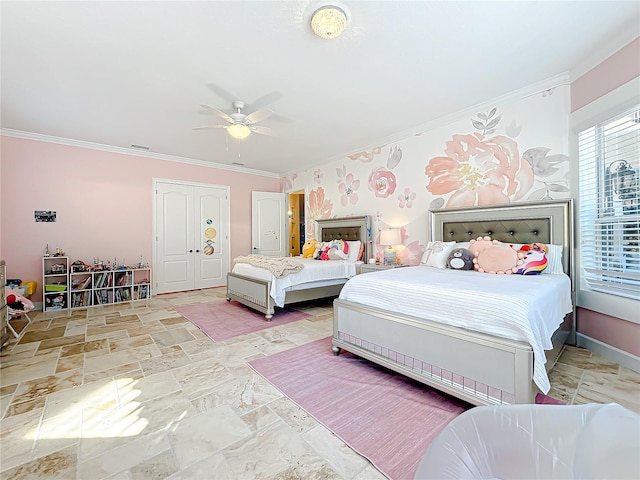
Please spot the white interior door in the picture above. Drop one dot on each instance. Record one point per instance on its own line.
(212, 245)
(174, 266)
(268, 224)
(192, 236)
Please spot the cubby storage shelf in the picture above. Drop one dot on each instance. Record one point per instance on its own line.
(67, 289)
(109, 286)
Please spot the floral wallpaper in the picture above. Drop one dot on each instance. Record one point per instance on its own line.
(509, 153)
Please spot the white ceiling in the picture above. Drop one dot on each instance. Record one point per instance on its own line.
(123, 73)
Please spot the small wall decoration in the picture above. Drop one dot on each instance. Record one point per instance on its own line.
(45, 216)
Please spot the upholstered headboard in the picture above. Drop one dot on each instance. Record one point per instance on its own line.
(348, 228)
(546, 222)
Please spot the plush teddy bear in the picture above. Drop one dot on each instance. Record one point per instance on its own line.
(460, 259)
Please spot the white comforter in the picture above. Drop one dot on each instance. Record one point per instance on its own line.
(313, 271)
(519, 307)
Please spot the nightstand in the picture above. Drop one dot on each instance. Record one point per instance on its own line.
(370, 267)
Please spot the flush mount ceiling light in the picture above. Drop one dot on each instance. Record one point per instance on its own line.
(329, 21)
(238, 130)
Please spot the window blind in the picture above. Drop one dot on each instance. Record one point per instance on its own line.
(609, 164)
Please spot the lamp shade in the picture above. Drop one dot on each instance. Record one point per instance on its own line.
(238, 130)
(390, 236)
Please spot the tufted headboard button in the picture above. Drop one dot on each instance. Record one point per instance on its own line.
(469, 233)
(535, 232)
(511, 233)
(489, 232)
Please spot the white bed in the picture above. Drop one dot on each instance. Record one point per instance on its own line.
(259, 289)
(488, 349)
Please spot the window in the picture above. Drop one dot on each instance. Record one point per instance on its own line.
(609, 154)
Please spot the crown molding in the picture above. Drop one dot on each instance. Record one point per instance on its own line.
(38, 137)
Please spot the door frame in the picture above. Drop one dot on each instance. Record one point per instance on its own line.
(304, 208)
(154, 236)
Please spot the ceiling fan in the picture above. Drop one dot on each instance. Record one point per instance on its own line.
(238, 124)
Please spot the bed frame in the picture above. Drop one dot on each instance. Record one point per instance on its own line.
(254, 292)
(478, 368)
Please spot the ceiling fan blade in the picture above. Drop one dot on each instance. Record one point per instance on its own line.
(264, 100)
(221, 114)
(259, 115)
(280, 118)
(208, 127)
(262, 130)
(222, 93)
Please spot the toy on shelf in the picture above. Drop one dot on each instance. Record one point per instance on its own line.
(18, 305)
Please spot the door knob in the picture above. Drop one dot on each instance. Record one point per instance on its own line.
(190, 251)
(197, 251)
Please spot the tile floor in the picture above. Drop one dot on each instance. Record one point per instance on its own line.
(138, 392)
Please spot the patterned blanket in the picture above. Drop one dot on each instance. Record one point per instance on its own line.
(278, 266)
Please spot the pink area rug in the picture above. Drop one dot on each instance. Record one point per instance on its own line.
(222, 320)
(388, 418)
(542, 399)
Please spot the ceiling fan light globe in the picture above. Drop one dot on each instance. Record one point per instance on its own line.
(328, 22)
(237, 130)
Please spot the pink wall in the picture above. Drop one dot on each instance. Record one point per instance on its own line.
(610, 330)
(103, 202)
(618, 69)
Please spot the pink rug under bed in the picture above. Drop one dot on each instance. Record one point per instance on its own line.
(222, 320)
(388, 418)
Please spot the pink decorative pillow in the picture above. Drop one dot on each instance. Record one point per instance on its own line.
(479, 244)
(497, 258)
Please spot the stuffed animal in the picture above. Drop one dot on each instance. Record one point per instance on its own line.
(460, 259)
(339, 250)
(492, 256)
(324, 254)
(534, 258)
(479, 244)
(16, 301)
(309, 248)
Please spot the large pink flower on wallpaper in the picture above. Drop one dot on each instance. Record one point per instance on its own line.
(318, 208)
(348, 189)
(480, 172)
(382, 182)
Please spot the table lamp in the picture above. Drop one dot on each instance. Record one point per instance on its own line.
(390, 237)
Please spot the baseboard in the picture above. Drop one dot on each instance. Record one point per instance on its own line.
(614, 354)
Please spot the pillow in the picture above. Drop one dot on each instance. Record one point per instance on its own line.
(535, 258)
(554, 258)
(309, 248)
(339, 250)
(497, 258)
(479, 244)
(436, 254)
(355, 247)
